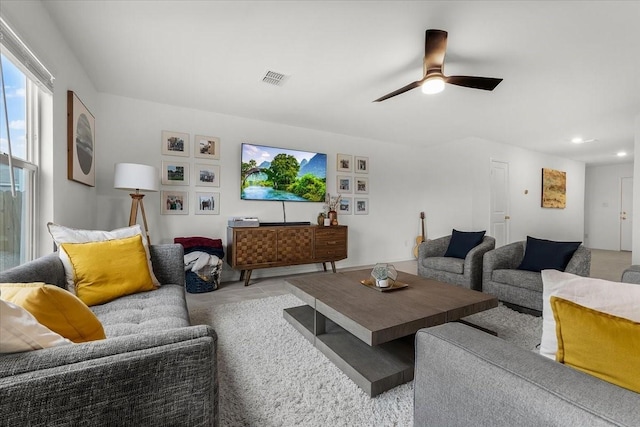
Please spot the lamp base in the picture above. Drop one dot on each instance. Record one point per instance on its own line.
(136, 199)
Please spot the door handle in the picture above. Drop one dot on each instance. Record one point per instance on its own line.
(507, 217)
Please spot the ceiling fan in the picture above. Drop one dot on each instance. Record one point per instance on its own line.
(435, 47)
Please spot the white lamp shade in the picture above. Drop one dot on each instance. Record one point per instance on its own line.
(132, 176)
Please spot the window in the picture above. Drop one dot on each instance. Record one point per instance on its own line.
(24, 81)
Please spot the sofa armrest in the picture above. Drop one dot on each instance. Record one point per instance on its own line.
(433, 248)
(168, 263)
(48, 269)
(505, 257)
(631, 274)
(165, 378)
(464, 377)
(580, 262)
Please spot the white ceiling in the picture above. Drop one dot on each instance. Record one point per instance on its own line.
(569, 68)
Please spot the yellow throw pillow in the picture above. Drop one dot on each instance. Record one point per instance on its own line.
(55, 308)
(600, 344)
(104, 271)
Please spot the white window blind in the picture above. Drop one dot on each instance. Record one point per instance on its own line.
(10, 41)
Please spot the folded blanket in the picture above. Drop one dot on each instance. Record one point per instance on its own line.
(195, 261)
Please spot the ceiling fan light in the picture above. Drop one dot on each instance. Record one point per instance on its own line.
(433, 85)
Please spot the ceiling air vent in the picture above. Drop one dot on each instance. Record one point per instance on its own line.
(274, 78)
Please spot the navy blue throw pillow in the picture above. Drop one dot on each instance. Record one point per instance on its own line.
(462, 242)
(546, 254)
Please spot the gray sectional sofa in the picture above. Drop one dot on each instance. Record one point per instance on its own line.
(153, 369)
(465, 377)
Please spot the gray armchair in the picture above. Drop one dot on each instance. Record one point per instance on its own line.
(466, 272)
(522, 288)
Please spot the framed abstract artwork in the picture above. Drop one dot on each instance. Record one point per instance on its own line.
(81, 140)
(554, 189)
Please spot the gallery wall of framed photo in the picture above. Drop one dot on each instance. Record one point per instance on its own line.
(352, 178)
(187, 163)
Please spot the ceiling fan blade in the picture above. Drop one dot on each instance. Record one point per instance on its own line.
(484, 83)
(401, 90)
(435, 47)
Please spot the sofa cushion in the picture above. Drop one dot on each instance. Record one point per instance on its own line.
(462, 242)
(451, 265)
(618, 299)
(162, 309)
(598, 343)
(104, 271)
(542, 254)
(518, 278)
(62, 234)
(56, 309)
(20, 331)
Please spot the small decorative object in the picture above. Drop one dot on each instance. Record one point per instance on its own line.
(384, 274)
(321, 218)
(81, 139)
(344, 163)
(332, 204)
(207, 147)
(175, 143)
(362, 164)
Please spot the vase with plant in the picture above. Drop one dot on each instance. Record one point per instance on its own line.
(331, 204)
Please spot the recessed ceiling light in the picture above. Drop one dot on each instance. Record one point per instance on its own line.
(577, 140)
(621, 153)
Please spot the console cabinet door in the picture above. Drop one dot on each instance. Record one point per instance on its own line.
(295, 245)
(255, 246)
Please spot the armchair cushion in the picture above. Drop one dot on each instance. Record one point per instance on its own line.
(462, 242)
(546, 254)
(451, 265)
(519, 278)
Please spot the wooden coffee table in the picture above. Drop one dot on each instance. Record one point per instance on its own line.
(369, 334)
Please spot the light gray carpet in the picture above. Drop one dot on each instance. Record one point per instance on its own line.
(271, 376)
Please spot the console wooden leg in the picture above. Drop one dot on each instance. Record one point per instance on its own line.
(333, 266)
(246, 279)
(241, 274)
(324, 266)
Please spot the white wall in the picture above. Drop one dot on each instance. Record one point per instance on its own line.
(459, 196)
(635, 256)
(63, 201)
(130, 131)
(602, 205)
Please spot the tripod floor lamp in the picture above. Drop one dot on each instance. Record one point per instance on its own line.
(133, 176)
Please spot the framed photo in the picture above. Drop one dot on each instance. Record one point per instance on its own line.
(175, 144)
(175, 173)
(207, 147)
(207, 175)
(344, 184)
(174, 202)
(361, 164)
(361, 185)
(344, 163)
(344, 207)
(207, 203)
(81, 139)
(361, 206)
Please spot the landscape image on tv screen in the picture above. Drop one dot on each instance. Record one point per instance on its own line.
(270, 173)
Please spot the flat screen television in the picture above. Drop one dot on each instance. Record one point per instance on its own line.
(282, 174)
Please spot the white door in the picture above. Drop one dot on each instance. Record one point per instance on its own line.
(626, 212)
(500, 202)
